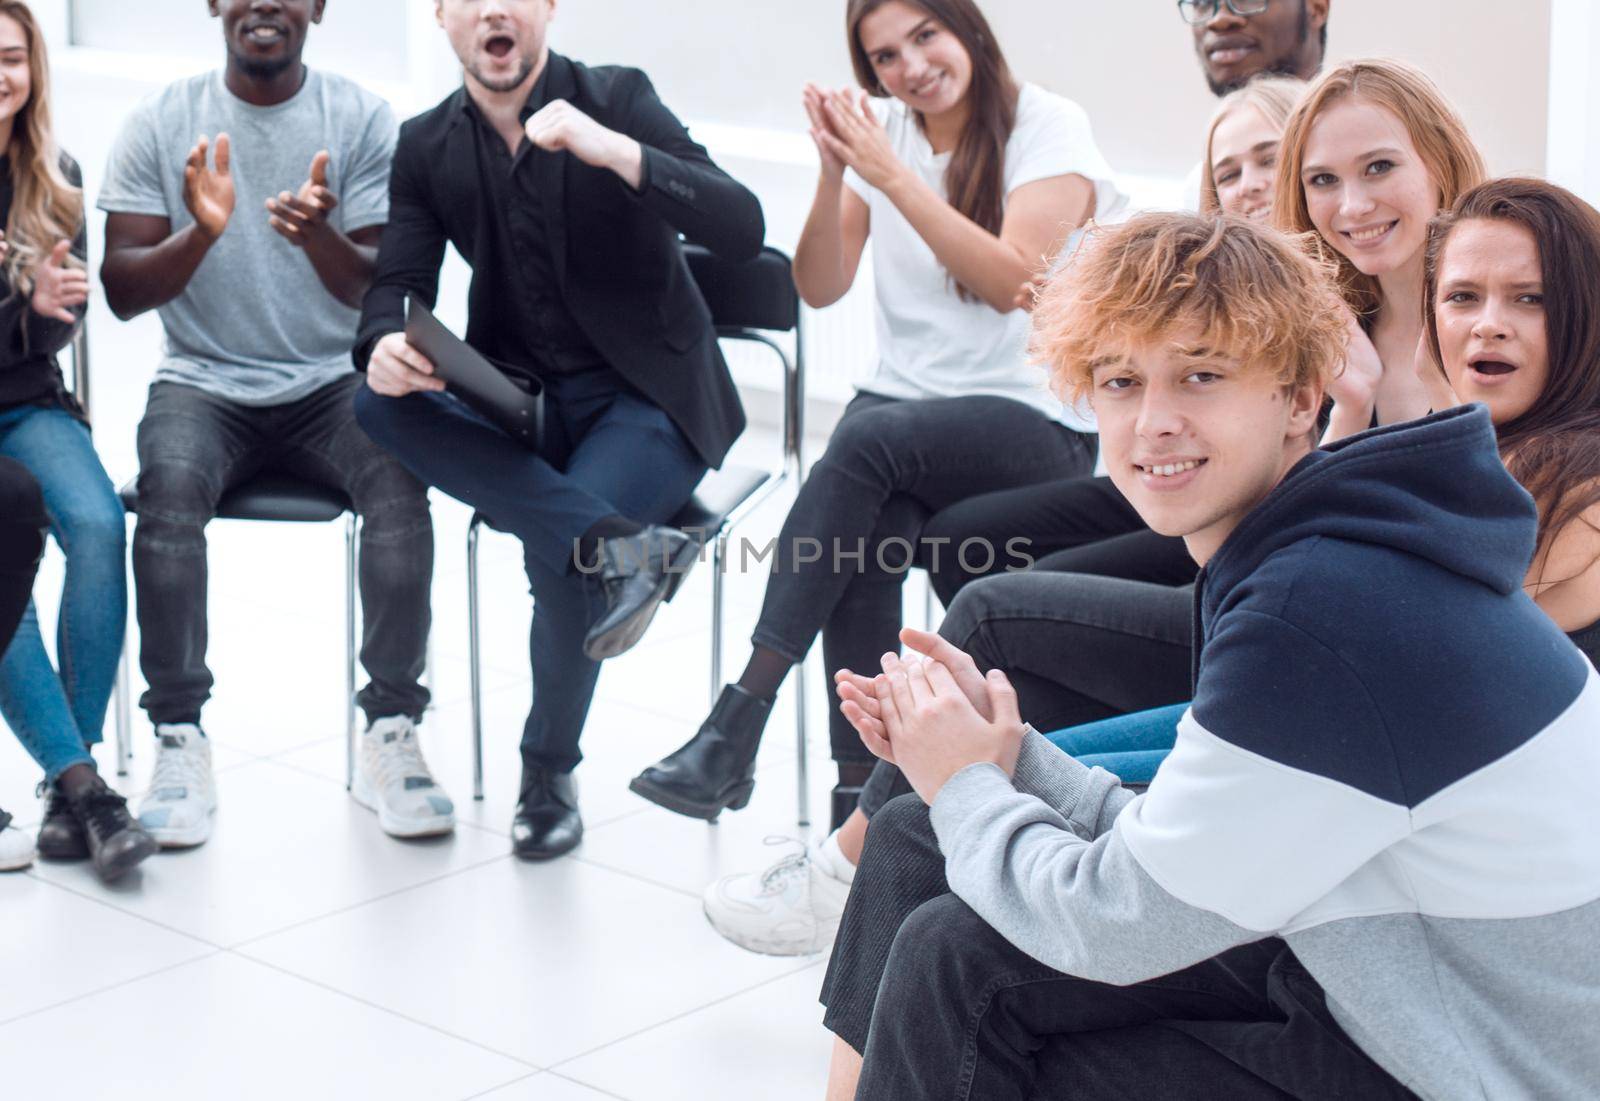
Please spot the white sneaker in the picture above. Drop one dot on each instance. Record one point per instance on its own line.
(393, 779)
(789, 909)
(181, 804)
(16, 847)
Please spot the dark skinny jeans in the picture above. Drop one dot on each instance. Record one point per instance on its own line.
(889, 466)
(193, 448)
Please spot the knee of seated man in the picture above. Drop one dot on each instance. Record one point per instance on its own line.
(973, 606)
(943, 939)
(175, 491)
(388, 497)
(901, 826)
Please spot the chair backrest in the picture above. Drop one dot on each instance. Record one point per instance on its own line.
(80, 364)
(757, 294)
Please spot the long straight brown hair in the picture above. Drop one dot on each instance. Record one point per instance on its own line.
(975, 180)
(1553, 449)
(45, 207)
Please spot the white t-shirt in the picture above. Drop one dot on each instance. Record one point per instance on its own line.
(931, 344)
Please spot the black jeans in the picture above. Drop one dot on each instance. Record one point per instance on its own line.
(607, 450)
(1071, 525)
(942, 1006)
(23, 522)
(194, 447)
(1076, 647)
(890, 465)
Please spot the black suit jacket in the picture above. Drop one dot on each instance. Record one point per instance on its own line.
(619, 264)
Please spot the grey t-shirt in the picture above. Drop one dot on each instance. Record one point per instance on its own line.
(255, 325)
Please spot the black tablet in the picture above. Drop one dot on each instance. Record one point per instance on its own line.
(472, 378)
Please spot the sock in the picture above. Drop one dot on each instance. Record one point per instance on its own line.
(765, 673)
(831, 857)
(76, 780)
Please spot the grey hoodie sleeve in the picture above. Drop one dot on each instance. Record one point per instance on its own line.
(1088, 798)
(1084, 907)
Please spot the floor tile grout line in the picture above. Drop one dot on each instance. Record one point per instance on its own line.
(635, 876)
(109, 904)
(212, 954)
(286, 972)
(386, 895)
(555, 1067)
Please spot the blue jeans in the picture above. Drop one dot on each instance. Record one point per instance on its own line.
(607, 450)
(58, 715)
(1131, 747)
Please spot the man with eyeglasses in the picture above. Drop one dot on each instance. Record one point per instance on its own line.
(1239, 39)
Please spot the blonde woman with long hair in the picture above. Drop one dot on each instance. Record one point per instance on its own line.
(1240, 167)
(1370, 155)
(57, 710)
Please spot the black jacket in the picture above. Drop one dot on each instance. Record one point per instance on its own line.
(619, 263)
(29, 374)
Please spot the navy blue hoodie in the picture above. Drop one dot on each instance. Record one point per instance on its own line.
(1392, 761)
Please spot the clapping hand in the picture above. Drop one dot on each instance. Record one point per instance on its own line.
(935, 717)
(814, 99)
(208, 190)
(304, 213)
(58, 286)
(853, 136)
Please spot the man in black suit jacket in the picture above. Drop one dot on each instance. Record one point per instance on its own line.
(565, 188)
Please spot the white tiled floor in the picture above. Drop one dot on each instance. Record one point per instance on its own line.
(302, 953)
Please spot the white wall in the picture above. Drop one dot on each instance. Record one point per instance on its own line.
(1574, 130)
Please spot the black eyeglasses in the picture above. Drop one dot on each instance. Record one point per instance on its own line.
(1200, 11)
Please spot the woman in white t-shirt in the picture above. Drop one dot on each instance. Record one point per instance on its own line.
(968, 183)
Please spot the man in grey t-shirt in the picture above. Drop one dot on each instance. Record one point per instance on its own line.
(245, 206)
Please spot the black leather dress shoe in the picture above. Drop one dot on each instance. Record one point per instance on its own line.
(547, 822)
(61, 834)
(637, 572)
(116, 840)
(716, 769)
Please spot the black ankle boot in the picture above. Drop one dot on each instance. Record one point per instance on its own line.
(716, 769)
(60, 834)
(116, 840)
(847, 792)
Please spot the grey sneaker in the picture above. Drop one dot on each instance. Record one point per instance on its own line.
(181, 805)
(393, 779)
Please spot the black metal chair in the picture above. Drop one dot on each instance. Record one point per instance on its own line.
(748, 301)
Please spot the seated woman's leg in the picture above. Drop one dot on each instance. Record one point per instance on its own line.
(60, 715)
(1044, 523)
(1130, 746)
(925, 452)
(22, 527)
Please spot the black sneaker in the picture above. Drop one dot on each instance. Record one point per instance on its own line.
(60, 834)
(116, 841)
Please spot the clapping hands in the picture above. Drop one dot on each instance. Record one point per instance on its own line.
(933, 717)
(848, 134)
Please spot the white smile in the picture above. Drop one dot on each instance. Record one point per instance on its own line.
(1168, 470)
(927, 87)
(1368, 236)
(265, 34)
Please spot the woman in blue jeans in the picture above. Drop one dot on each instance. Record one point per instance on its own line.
(57, 710)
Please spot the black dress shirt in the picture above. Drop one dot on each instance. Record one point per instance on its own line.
(541, 335)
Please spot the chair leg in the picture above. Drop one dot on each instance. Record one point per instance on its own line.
(473, 669)
(802, 767)
(121, 691)
(350, 650)
(719, 553)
